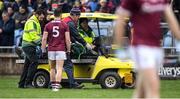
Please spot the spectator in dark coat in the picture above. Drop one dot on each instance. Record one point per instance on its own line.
(66, 7)
(26, 2)
(7, 26)
(102, 7)
(40, 4)
(6, 3)
(10, 11)
(111, 5)
(16, 5)
(20, 18)
(78, 4)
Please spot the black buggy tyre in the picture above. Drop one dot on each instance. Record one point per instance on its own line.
(110, 80)
(41, 79)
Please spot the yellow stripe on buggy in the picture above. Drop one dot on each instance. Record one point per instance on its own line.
(92, 15)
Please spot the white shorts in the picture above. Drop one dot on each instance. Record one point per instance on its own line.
(146, 57)
(56, 55)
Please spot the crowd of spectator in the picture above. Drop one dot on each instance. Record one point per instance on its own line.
(14, 14)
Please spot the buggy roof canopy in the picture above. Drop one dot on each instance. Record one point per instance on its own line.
(94, 15)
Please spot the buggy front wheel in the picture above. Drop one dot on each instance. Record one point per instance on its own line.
(110, 80)
(41, 79)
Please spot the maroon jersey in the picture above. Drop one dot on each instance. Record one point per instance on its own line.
(145, 18)
(56, 35)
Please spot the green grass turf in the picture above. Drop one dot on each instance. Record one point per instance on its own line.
(8, 89)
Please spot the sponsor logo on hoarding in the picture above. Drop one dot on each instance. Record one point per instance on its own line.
(169, 71)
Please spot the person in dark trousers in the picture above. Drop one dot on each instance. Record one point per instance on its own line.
(75, 37)
(31, 39)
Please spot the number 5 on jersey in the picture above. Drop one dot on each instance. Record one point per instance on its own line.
(55, 31)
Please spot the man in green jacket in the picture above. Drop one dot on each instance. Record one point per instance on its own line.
(31, 39)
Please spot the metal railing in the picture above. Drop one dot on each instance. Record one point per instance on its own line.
(7, 49)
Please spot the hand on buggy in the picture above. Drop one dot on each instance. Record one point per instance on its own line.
(43, 53)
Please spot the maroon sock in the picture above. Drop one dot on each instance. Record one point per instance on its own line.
(53, 84)
(57, 85)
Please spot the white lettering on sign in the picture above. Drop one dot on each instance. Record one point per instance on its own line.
(169, 71)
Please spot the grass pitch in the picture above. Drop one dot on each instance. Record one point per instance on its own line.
(8, 89)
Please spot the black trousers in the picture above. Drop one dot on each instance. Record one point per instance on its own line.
(30, 66)
(68, 67)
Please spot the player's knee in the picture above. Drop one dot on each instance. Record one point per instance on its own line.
(155, 86)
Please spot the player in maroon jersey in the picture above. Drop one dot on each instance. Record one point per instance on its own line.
(145, 50)
(56, 33)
